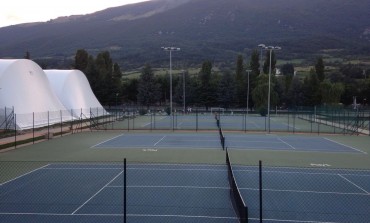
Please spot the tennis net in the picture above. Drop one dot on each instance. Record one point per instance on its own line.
(222, 138)
(237, 200)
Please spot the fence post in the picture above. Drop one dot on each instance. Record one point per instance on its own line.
(260, 190)
(124, 191)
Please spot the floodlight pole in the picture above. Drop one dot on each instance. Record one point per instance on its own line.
(248, 71)
(270, 48)
(170, 49)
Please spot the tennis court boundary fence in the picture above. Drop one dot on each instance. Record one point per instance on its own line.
(59, 123)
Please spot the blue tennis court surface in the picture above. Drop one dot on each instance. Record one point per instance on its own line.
(182, 193)
(307, 195)
(94, 193)
(233, 141)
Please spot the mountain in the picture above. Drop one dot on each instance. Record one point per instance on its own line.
(204, 29)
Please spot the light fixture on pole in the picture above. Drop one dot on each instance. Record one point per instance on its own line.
(262, 47)
(170, 49)
(270, 48)
(248, 71)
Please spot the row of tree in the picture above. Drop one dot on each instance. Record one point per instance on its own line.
(224, 89)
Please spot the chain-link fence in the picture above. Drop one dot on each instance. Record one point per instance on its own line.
(28, 128)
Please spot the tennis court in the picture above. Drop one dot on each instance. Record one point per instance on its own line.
(73, 192)
(93, 192)
(233, 141)
(306, 194)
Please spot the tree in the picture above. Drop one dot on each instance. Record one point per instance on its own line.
(240, 82)
(320, 69)
(92, 75)
(254, 63)
(226, 90)
(104, 66)
(311, 89)
(206, 96)
(295, 96)
(260, 93)
(288, 71)
(266, 64)
(179, 89)
(130, 90)
(331, 93)
(27, 55)
(148, 89)
(81, 60)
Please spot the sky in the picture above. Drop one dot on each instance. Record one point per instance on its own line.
(23, 11)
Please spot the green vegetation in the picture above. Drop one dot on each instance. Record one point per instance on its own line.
(299, 83)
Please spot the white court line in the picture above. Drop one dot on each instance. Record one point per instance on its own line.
(358, 150)
(165, 186)
(181, 216)
(96, 193)
(285, 149)
(82, 168)
(146, 124)
(297, 221)
(310, 168)
(159, 141)
(289, 126)
(354, 184)
(306, 191)
(286, 143)
(120, 215)
(247, 141)
(144, 215)
(257, 126)
(177, 169)
(24, 174)
(297, 172)
(107, 140)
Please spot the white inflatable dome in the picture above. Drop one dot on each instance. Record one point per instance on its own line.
(25, 87)
(74, 91)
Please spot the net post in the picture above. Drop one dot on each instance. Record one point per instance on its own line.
(260, 190)
(124, 192)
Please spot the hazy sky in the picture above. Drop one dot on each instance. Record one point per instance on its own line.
(23, 11)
